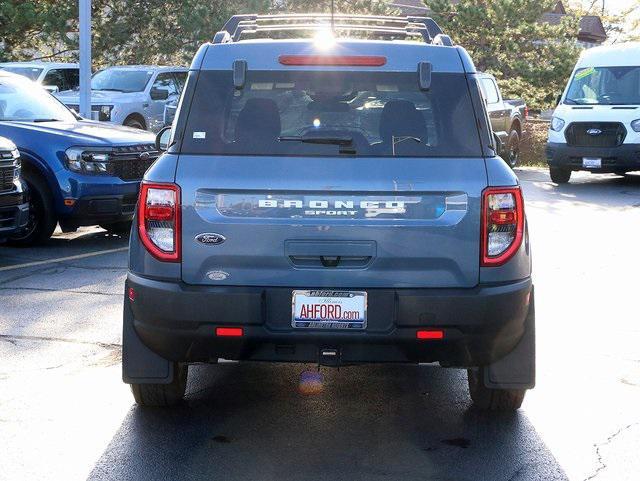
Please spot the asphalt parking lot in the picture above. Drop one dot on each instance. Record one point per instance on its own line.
(65, 415)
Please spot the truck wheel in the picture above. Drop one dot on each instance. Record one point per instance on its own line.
(134, 122)
(42, 217)
(512, 155)
(121, 228)
(163, 394)
(493, 399)
(559, 175)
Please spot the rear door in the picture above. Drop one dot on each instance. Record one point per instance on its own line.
(268, 170)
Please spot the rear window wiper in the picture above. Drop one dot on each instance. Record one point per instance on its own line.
(46, 120)
(317, 140)
(345, 142)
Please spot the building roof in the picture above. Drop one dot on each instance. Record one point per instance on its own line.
(591, 27)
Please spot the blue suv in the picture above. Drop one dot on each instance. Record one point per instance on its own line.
(332, 201)
(79, 172)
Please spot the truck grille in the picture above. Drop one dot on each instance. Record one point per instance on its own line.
(595, 134)
(131, 162)
(7, 171)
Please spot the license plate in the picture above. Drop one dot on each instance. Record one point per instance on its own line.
(591, 162)
(329, 309)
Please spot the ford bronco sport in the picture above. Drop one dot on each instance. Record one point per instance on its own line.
(334, 201)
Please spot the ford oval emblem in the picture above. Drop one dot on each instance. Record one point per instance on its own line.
(594, 132)
(210, 238)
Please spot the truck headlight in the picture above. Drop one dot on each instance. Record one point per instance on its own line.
(557, 124)
(635, 125)
(88, 160)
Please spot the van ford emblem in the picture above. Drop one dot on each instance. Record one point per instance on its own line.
(594, 132)
(210, 238)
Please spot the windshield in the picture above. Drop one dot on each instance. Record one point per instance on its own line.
(121, 80)
(26, 101)
(32, 73)
(330, 113)
(605, 85)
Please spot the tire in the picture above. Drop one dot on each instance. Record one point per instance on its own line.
(487, 399)
(163, 395)
(134, 122)
(512, 153)
(559, 175)
(122, 228)
(42, 217)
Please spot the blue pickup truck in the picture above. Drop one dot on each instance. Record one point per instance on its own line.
(79, 172)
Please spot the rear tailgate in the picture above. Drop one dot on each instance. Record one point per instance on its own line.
(331, 221)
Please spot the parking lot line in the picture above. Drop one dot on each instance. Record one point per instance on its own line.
(62, 259)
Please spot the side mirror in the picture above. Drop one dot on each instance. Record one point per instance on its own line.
(499, 145)
(558, 99)
(159, 94)
(163, 138)
(52, 89)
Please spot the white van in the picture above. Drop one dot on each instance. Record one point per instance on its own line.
(596, 125)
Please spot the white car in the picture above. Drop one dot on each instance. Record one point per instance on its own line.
(131, 95)
(596, 125)
(53, 76)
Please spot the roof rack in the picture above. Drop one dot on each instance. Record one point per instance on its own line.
(385, 26)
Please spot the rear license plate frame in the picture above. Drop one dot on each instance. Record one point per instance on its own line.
(325, 296)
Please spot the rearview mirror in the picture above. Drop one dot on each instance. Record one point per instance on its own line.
(159, 94)
(163, 138)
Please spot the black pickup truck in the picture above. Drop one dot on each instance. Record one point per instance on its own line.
(507, 118)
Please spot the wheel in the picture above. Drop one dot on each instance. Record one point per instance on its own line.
(559, 175)
(492, 399)
(134, 123)
(163, 394)
(42, 217)
(123, 227)
(512, 154)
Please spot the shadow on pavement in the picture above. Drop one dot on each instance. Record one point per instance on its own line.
(63, 245)
(248, 421)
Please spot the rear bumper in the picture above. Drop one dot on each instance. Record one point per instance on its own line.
(623, 158)
(177, 322)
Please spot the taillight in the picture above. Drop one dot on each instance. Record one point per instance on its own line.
(502, 224)
(159, 220)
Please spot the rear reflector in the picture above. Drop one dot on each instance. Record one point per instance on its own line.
(334, 60)
(430, 334)
(229, 332)
(132, 294)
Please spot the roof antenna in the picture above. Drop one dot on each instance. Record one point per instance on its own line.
(333, 29)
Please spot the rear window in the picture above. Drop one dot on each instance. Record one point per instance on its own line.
(380, 113)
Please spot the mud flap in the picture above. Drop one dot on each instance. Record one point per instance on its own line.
(140, 365)
(517, 370)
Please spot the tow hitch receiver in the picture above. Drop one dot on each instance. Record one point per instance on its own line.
(329, 357)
